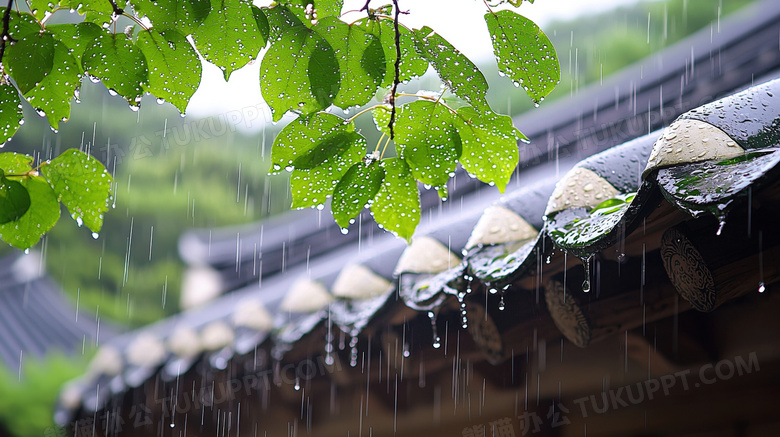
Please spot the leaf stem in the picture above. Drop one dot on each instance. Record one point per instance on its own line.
(378, 143)
(396, 78)
(137, 21)
(351, 119)
(382, 155)
(46, 17)
(429, 98)
(5, 37)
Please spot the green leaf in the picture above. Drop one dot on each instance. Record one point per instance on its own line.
(174, 67)
(279, 18)
(30, 59)
(21, 24)
(18, 163)
(429, 142)
(356, 188)
(119, 64)
(76, 37)
(328, 8)
(229, 37)
(524, 53)
(41, 8)
(299, 72)
(456, 71)
(14, 199)
(10, 111)
(182, 15)
(82, 184)
(397, 205)
(309, 11)
(51, 98)
(309, 141)
(262, 22)
(412, 65)
(312, 187)
(94, 11)
(360, 57)
(43, 213)
(489, 145)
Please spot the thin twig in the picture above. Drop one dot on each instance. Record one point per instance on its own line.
(350, 119)
(5, 37)
(117, 10)
(365, 6)
(397, 69)
(137, 21)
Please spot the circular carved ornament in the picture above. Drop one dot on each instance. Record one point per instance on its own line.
(566, 313)
(485, 332)
(687, 270)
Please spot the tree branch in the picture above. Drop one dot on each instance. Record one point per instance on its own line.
(5, 37)
(397, 69)
(117, 10)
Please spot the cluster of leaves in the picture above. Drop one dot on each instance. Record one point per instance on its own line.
(314, 62)
(30, 197)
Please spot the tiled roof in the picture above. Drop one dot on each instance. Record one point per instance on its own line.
(478, 256)
(35, 317)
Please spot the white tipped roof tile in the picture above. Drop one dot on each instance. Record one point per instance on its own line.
(358, 282)
(146, 350)
(500, 225)
(686, 141)
(580, 188)
(216, 335)
(426, 255)
(184, 342)
(306, 296)
(252, 314)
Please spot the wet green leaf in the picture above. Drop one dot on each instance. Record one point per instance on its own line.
(524, 53)
(76, 37)
(360, 57)
(490, 149)
(21, 24)
(456, 71)
(10, 112)
(82, 184)
(119, 64)
(299, 72)
(182, 15)
(308, 141)
(428, 141)
(397, 204)
(356, 188)
(17, 163)
(14, 199)
(312, 187)
(229, 37)
(262, 22)
(43, 213)
(174, 67)
(52, 96)
(412, 65)
(30, 59)
(279, 18)
(308, 11)
(94, 11)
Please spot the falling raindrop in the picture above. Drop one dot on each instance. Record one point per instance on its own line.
(436, 338)
(761, 287)
(586, 282)
(501, 304)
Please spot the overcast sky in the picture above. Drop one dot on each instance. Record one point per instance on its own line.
(458, 21)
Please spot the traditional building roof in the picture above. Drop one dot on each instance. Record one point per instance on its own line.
(35, 317)
(484, 279)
